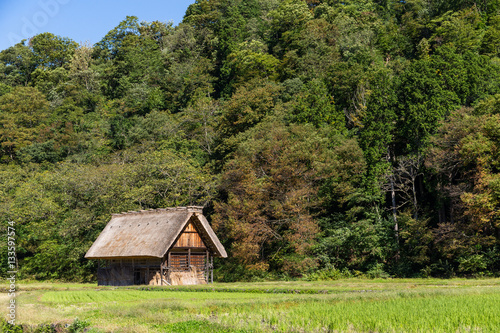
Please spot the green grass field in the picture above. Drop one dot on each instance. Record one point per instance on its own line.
(354, 305)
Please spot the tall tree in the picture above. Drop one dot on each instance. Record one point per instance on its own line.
(52, 51)
(17, 64)
(22, 112)
(272, 184)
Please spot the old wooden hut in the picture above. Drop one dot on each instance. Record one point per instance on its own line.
(169, 246)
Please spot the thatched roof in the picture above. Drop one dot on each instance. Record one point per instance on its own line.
(151, 233)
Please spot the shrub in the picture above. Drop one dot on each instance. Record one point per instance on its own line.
(328, 274)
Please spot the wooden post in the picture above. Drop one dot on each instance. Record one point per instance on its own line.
(161, 271)
(147, 274)
(212, 269)
(189, 258)
(168, 268)
(206, 266)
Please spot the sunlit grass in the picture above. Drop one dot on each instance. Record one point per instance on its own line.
(416, 305)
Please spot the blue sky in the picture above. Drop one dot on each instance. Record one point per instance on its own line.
(80, 20)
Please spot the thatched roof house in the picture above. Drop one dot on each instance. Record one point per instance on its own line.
(161, 246)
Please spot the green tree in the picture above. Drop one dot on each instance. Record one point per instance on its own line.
(51, 82)
(17, 63)
(22, 112)
(247, 107)
(109, 46)
(4, 88)
(287, 22)
(312, 52)
(461, 30)
(52, 51)
(465, 157)
(429, 89)
(315, 106)
(135, 60)
(199, 121)
(251, 61)
(491, 39)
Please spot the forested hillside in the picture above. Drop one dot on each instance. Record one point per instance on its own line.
(357, 135)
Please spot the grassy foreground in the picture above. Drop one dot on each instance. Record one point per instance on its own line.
(354, 305)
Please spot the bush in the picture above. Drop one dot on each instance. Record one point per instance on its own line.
(377, 272)
(78, 326)
(328, 274)
(473, 264)
(9, 328)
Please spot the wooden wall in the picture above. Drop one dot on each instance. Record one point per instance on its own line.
(184, 260)
(115, 276)
(190, 238)
(129, 271)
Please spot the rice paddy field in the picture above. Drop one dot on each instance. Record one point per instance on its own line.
(353, 305)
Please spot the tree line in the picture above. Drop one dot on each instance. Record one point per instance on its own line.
(319, 135)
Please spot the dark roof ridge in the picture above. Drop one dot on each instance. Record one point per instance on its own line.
(194, 209)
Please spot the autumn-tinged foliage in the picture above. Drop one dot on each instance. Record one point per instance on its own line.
(275, 184)
(318, 135)
(466, 159)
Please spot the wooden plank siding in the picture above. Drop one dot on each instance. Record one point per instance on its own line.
(182, 260)
(190, 238)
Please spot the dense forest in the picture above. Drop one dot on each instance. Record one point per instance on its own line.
(321, 136)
